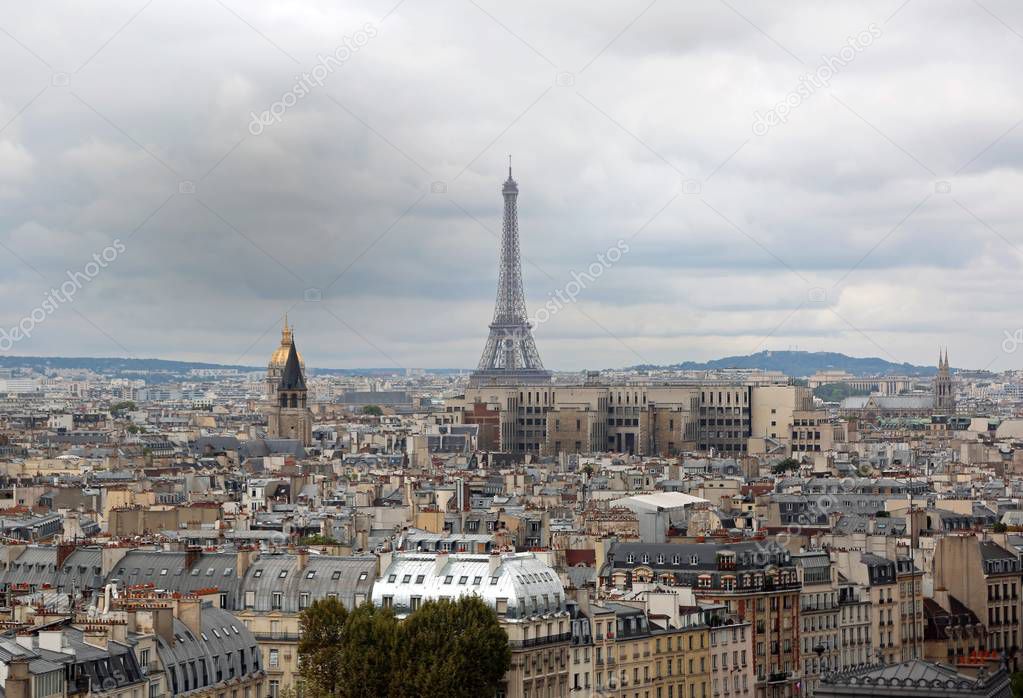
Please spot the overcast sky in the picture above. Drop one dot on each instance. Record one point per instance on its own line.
(881, 217)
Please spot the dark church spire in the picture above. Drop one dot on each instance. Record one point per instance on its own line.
(291, 376)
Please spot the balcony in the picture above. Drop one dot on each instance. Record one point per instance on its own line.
(778, 677)
(534, 641)
(276, 637)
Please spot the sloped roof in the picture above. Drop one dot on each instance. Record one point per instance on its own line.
(291, 376)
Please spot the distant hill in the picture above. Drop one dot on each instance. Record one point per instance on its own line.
(155, 368)
(791, 363)
(804, 363)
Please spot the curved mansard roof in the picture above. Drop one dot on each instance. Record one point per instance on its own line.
(224, 650)
(349, 578)
(528, 585)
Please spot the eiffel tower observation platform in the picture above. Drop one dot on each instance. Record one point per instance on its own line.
(510, 356)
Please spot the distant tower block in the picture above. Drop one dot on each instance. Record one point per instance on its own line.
(510, 356)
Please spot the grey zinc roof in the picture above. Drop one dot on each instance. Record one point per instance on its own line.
(349, 578)
(37, 565)
(166, 570)
(222, 636)
(81, 570)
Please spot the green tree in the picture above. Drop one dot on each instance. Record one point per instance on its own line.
(999, 527)
(317, 539)
(119, 408)
(451, 649)
(372, 410)
(368, 649)
(785, 466)
(444, 649)
(1016, 682)
(836, 392)
(321, 627)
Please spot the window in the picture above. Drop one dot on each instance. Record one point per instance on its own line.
(310, 574)
(337, 575)
(476, 581)
(494, 581)
(463, 580)
(283, 574)
(303, 600)
(420, 578)
(390, 577)
(277, 601)
(258, 573)
(415, 602)
(448, 579)
(275, 658)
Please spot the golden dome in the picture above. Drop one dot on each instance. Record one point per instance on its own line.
(280, 355)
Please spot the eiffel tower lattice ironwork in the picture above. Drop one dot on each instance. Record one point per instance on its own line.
(510, 356)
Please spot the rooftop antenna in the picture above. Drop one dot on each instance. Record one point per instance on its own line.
(509, 166)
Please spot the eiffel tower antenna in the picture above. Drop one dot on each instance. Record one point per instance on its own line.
(510, 356)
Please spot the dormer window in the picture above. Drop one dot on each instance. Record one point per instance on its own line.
(694, 560)
(646, 558)
(630, 558)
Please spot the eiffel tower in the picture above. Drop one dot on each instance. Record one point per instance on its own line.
(510, 357)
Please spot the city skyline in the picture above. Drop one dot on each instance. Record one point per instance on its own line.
(276, 163)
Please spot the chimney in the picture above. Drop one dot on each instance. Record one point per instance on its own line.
(190, 613)
(119, 631)
(64, 551)
(244, 559)
(495, 562)
(96, 636)
(163, 623)
(52, 640)
(440, 563)
(18, 679)
(302, 556)
(192, 554)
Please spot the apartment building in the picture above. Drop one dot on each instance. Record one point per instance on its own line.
(818, 616)
(986, 578)
(856, 649)
(755, 581)
(731, 659)
(894, 631)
